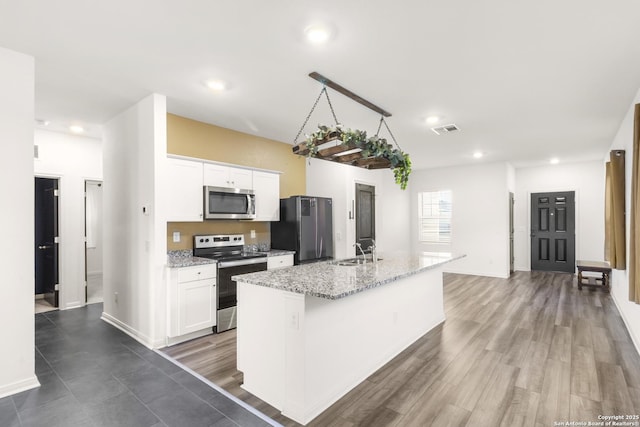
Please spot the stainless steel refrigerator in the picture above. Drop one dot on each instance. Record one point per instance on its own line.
(306, 227)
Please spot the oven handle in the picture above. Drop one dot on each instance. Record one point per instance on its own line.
(225, 264)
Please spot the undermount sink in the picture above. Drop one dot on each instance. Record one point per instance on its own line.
(351, 262)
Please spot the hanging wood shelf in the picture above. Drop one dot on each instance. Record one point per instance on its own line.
(349, 147)
(331, 148)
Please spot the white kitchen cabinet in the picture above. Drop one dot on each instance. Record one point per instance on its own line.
(192, 299)
(227, 176)
(266, 187)
(279, 261)
(182, 191)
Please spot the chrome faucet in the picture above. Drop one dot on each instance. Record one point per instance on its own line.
(359, 246)
(374, 251)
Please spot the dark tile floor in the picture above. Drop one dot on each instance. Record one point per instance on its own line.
(92, 374)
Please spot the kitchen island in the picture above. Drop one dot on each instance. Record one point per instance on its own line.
(308, 334)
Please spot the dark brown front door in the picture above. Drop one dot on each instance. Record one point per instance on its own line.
(553, 231)
(46, 233)
(365, 216)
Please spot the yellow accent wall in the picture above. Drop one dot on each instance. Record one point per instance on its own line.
(191, 138)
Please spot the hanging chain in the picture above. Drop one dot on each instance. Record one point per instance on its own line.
(382, 120)
(331, 106)
(315, 104)
(380, 125)
(324, 89)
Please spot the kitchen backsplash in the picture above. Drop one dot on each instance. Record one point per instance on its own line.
(187, 230)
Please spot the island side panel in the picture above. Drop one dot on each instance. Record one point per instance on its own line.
(261, 341)
(337, 344)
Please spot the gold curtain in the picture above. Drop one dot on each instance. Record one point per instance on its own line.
(615, 204)
(634, 244)
(608, 224)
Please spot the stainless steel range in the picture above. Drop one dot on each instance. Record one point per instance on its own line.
(227, 250)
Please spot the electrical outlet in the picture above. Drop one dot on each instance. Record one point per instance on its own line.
(176, 237)
(253, 234)
(295, 321)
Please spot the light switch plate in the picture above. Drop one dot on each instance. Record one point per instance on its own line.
(176, 237)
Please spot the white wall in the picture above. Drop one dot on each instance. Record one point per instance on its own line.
(17, 360)
(94, 216)
(329, 179)
(72, 159)
(480, 216)
(620, 280)
(587, 180)
(135, 146)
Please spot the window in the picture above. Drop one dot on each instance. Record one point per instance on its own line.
(434, 216)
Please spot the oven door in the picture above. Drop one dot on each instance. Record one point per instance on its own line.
(229, 203)
(227, 289)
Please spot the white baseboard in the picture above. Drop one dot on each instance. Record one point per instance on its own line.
(188, 337)
(635, 340)
(19, 386)
(132, 332)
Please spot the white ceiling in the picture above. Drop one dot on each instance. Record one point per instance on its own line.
(524, 80)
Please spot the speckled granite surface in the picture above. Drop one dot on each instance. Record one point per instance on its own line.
(276, 252)
(332, 281)
(185, 258)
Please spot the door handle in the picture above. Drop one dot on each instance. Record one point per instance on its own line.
(42, 247)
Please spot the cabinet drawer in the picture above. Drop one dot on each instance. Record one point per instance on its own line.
(189, 274)
(279, 261)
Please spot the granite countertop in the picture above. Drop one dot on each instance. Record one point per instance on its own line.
(185, 258)
(332, 281)
(275, 252)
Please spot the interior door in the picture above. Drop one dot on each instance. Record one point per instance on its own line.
(511, 235)
(553, 231)
(365, 216)
(46, 233)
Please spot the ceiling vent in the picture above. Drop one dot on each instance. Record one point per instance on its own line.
(445, 129)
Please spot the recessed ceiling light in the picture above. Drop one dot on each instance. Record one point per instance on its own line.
(76, 129)
(554, 161)
(317, 34)
(432, 120)
(216, 85)
(478, 155)
(43, 122)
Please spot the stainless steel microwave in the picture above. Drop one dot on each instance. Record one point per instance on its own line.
(229, 203)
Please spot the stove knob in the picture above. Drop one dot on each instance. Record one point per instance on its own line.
(201, 240)
(207, 240)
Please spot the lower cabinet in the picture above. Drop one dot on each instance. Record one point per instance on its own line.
(279, 261)
(192, 299)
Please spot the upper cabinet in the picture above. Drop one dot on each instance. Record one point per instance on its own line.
(183, 189)
(182, 192)
(266, 187)
(227, 176)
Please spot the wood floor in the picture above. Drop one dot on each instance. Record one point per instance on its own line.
(526, 351)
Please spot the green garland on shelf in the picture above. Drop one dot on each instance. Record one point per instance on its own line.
(373, 146)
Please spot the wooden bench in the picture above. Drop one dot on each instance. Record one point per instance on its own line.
(601, 269)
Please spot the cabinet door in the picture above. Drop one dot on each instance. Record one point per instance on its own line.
(266, 187)
(183, 190)
(216, 175)
(196, 302)
(241, 178)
